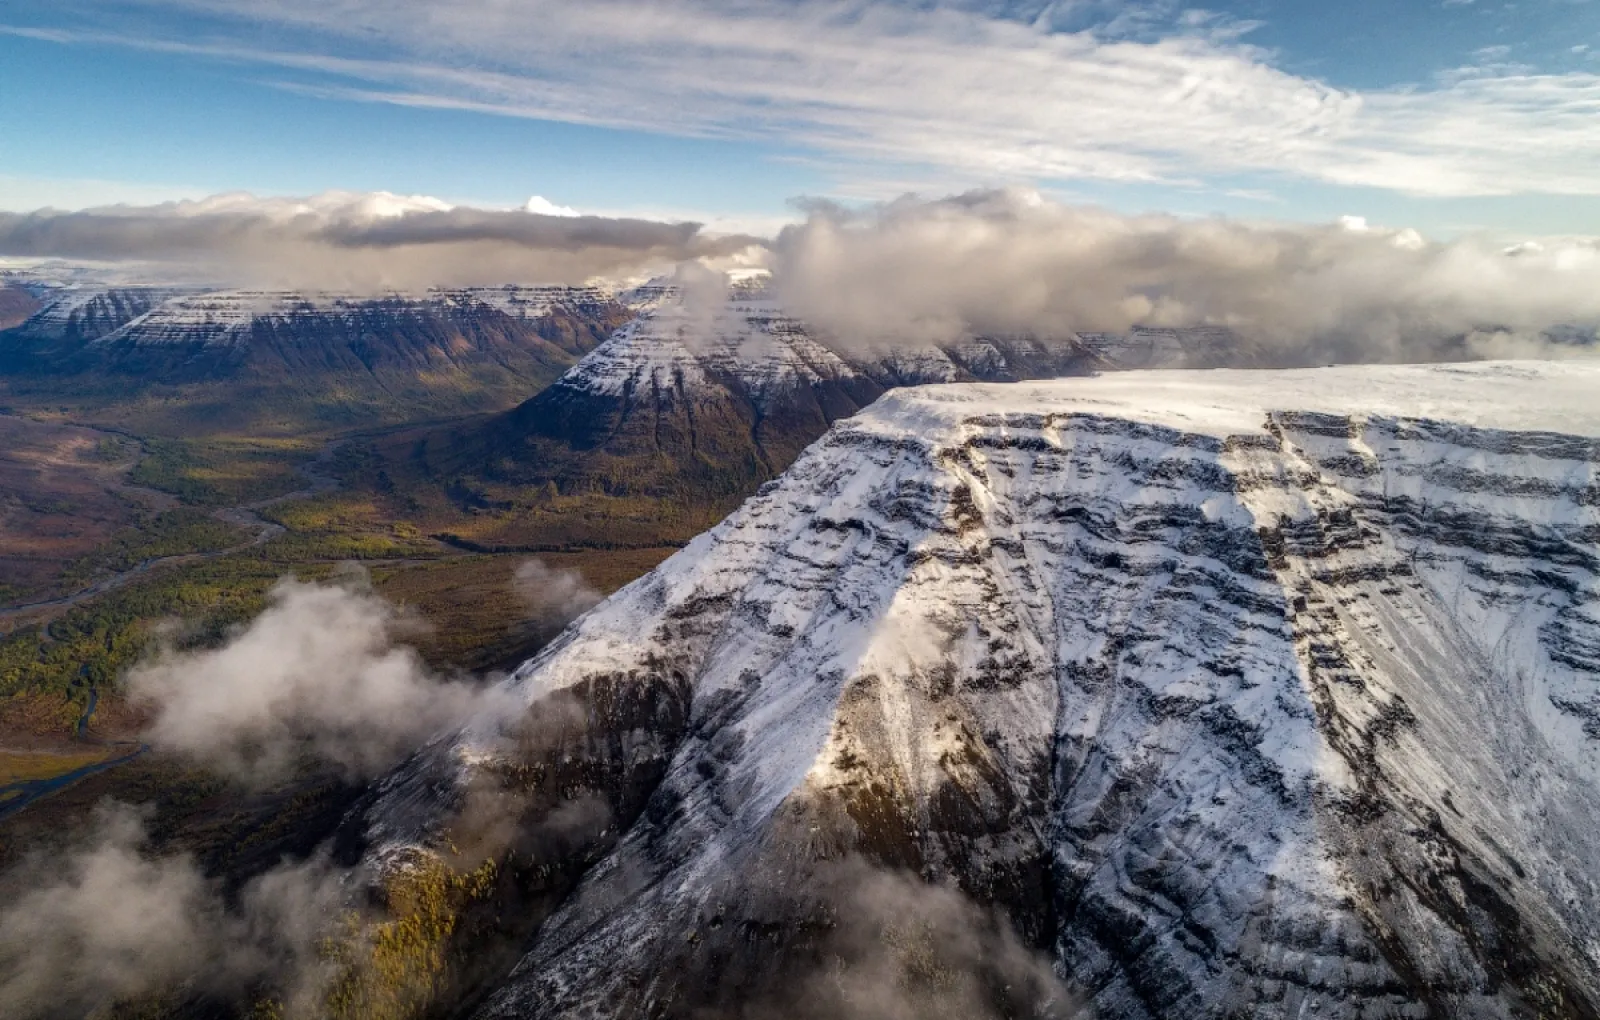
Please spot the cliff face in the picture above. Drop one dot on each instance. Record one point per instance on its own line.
(1242, 694)
(193, 334)
(81, 315)
(676, 404)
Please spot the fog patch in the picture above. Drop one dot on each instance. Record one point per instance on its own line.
(552, 596)
(1012, 262)
(106, 921)
(905, 949)
(322, 671)
(863, 942)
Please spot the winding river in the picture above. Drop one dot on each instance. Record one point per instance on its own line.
(16, 796)
(244, 516)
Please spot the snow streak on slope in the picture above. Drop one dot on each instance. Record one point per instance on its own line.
(680, 345)
(1245, 693)
(228, 318)
(222, 318)
(214, 319)
(747, 349)
(684, 343)
(83, 314)
(527, 303)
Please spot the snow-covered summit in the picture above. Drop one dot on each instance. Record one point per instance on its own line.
(214, 318)
(1550, 396)
(526, 302)
(742, 336)
(635, 356)
(679, 342)
(89, 312)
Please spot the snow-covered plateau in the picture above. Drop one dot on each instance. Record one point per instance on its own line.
(1242, 693)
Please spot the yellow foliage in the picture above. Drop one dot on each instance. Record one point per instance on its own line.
(393, 969)
(21, 766)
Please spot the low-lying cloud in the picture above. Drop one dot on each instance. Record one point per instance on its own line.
(105, 920)
(1012, 262)
(861, 941)
(552, 596)
(322, 672)
(360, 242)
(905, 949)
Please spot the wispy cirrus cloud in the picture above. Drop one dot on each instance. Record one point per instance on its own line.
(1151, 93)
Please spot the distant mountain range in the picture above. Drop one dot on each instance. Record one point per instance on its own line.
(655, 397)
(329, 358)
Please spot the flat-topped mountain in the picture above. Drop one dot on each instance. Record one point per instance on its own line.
(699, 400)
(121, 317)
(720, 390)
(337, 357)
(83, 314)
(1265, 694)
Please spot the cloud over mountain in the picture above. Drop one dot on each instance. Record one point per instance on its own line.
(360, 241)
(996, 261)
(1011, 261)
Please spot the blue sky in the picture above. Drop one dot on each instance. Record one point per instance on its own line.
(1451, 117)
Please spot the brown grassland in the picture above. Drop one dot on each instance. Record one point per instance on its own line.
(63, 493)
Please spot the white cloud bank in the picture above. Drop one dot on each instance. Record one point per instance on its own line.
(360, 241)
(1013, 262)
(941, 85)
(323, 672)
(988, 261)
(997, 261)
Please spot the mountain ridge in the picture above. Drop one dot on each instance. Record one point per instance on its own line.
(328, 358)
(1175, 667)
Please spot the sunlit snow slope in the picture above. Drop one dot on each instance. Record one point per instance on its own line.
(1244, 693)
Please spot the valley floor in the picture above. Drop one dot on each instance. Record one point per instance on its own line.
(106, 535)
